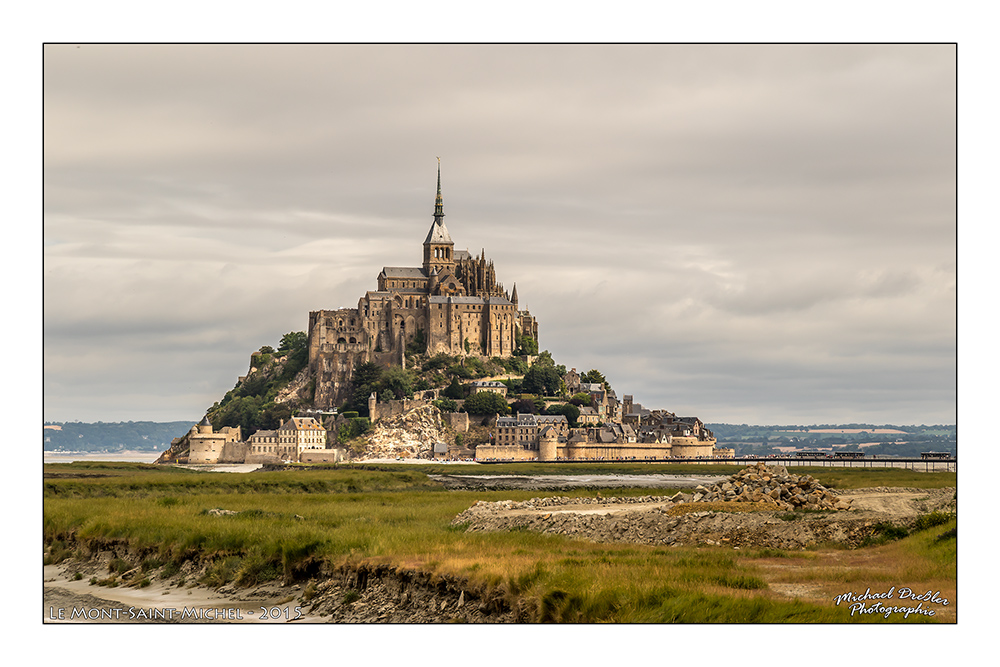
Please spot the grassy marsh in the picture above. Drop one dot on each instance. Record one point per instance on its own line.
(291, 523)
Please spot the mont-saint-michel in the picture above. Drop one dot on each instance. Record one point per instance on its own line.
(368, 382)
(440, 363)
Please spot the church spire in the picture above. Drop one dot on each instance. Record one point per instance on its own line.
(438, 246)
(438, 202)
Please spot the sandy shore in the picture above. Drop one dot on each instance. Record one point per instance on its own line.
(69, 601)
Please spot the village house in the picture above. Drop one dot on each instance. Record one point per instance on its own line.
(480, 386)
(298, 440)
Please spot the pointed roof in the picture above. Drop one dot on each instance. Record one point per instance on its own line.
(438, 232)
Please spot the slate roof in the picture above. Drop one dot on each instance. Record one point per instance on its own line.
(438, 233)
(403, 272)
(493, 300)
(301, 424)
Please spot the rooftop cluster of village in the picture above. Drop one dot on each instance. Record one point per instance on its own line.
(606, 428)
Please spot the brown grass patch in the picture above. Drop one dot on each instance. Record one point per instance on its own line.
(830, 573)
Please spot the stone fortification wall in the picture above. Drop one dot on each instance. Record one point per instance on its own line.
(206, 447)
(613, 451)
(457, 421)
(321, 455)
(388, 409)
(262, 458)
(505, 453)
(234, 452)
(691, 448)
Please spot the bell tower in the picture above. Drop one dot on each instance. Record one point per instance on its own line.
(438, 246)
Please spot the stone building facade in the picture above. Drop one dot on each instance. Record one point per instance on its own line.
(209, 446)
(525, 437)
(491, 386)
(451, 304)
(289, 442)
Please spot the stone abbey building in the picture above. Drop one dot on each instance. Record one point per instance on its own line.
(452, 304)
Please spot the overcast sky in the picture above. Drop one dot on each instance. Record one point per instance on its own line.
(749, 234)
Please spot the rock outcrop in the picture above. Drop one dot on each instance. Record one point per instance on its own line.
(410, 435)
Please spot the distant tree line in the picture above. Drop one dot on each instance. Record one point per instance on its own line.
(112, 436)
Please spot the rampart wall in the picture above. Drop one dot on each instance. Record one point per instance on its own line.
(234, 452)
(321, 455)
(457, 421)
(505, 453)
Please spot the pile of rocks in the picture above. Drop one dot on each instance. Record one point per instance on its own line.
(772, 485)
(410, 435)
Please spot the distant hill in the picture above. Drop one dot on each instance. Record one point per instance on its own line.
(111, 436)
(882, 439)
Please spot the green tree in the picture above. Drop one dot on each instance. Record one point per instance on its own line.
(526, 346)
(366, 379)
(542, 379)
(514, 386)
(597, 377)
(486, 403)
(397, 382)
(293, 340)
(296, 345)
(446, 405)
(454, 390)
(571, 412)
(524, 406)
(367, 373)
(516, 365)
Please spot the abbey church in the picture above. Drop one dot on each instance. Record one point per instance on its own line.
(451, 304)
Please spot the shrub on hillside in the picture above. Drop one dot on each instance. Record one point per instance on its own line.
(486, 403)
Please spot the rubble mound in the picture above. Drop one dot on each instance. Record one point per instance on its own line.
(772, 485)
(410, 435)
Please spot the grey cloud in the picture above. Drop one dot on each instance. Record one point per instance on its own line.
(709, 225)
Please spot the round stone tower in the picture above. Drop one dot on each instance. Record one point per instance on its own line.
(205, 426)
(548, 440)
